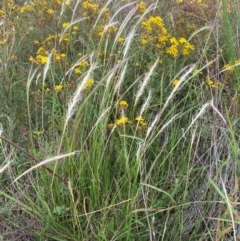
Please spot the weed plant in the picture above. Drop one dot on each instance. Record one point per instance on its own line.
(119, 120)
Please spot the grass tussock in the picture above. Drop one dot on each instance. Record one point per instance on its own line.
(119, 120)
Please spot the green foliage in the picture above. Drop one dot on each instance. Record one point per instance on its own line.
(137, 104)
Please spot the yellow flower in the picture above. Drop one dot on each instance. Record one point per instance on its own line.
(212, 84)
(155, 33)
(37, 133)
(139, 118)
(173, 50)
(141, 7)
(142, 124)
(65, 25)
(27, 8)
(84, 63)
(122, 121)
(42, 59)
(187, 49)
(89, 9)
(120, 39)
(144, 39)
(100, 30)
(153, 23)
(59, 57)
(75, 28)
(77, 71)
(182, 40)
(58, 88)
(174, 41)
(163, 38)
(123, 104)
(228, 67)
(50, 11)
(175, 82)
(106, 15)
(31, 59)
(88, 84)
(65, 39)
(68, 3)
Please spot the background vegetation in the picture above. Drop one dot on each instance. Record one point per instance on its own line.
(119, 120)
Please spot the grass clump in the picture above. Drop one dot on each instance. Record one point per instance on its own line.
(119, 120)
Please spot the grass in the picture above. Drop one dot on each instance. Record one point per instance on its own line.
(119, 120)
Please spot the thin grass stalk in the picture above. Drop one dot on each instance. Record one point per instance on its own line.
(44, 162)
(145, 82)
(75, 99)
(183, 79)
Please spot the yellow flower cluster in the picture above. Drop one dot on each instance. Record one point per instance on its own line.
(121, 40)
(90, 9)
(141, 7)
(155, 34)
(110, 30)
(154, 24)
(43, 10)
(89, 83)
(59, 56)
(141, 123)
(50, 42)
(186, 46)
(58, 88)
(123, 120)
(106, 15)
(230, 66)
(173, 49)
(28, 8)
(81, 67)
(65, 25)
(41, 57)
(123, 104)
(210, 84)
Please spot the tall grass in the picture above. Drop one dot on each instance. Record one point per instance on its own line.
(111, 132)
